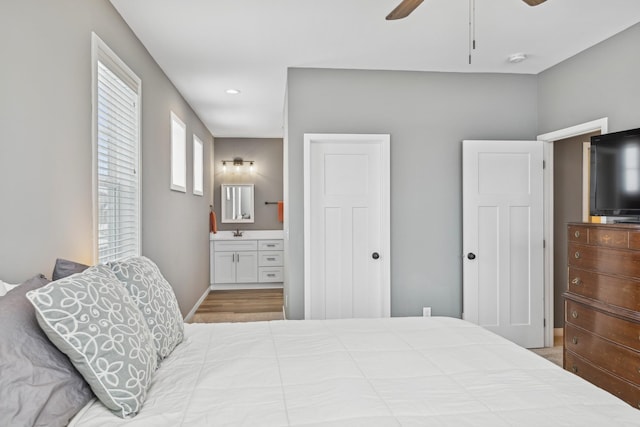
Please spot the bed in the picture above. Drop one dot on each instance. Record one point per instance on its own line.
(106, 346)
(434, 371)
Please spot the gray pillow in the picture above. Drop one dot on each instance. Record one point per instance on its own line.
(65, 268)
(38, 384)
(91, 318)
(155, 298)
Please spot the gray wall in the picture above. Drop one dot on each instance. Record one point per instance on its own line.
(46, 147)
(267, 178)
(599, 82)
(427, 115)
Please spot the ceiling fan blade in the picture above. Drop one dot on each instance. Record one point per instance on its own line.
(534, 2)
(404, 9)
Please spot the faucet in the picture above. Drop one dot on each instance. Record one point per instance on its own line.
(237, 233)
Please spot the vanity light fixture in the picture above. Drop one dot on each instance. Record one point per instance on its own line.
(238, 162)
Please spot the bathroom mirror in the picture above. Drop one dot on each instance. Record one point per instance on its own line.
(237, 203)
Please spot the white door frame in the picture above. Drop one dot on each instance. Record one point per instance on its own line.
(549, 138)
(385, 206)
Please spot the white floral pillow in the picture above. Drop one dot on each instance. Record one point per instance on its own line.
(155, 298)
(91, 318)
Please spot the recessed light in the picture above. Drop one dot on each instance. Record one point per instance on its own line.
(514, 58)
(232, 91)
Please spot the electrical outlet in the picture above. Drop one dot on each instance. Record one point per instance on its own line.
(426, 311)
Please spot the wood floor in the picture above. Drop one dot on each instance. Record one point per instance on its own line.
(240, 306)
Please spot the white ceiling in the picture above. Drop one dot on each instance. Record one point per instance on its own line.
(208, 46)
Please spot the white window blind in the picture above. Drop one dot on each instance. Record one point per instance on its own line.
(117, 158)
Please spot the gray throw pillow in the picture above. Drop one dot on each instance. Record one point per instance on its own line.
(65, 268)
(91, 318)
(38, 384)
(154, 296)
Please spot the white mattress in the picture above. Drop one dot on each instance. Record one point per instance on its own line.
(380, 372)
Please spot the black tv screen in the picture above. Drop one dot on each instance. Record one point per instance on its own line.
(615, 173)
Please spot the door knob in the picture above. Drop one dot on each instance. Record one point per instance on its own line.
(471, 255)
(375, 255)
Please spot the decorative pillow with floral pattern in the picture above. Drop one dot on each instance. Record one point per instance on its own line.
(92, 319)
(156, 300)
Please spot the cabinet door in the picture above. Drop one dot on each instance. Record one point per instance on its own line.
(246, 267)
(225, 267)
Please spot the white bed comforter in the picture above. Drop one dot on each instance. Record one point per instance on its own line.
(377, 372)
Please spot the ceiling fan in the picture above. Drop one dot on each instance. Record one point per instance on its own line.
(407, 6)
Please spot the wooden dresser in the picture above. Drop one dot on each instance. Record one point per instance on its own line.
(602, 307)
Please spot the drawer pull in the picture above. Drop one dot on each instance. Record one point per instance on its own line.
(271, 259)
(575, 340)
(574, 314)
(271, 245)
(577, 281)
(577, 255)
(574, 369)
(577, 233)
(271, 275)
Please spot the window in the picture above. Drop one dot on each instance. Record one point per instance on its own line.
(116, 129)
(178, 154)
(198, 166)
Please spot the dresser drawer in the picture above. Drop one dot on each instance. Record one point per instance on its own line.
(614, 385)
(604, 260)
(235, 245)
(270, 274)
(610, 357)
(621, 331)
(270, 259)
(618, 291)
(609, 238)
(271, 245)
(578, 234)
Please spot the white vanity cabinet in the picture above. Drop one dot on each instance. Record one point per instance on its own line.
(253, 260)
(236, 261)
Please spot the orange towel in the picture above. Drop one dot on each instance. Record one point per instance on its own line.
(213, 223)
(281, 211)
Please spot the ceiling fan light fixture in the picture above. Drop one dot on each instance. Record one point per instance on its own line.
(233, 91)
(514, 58)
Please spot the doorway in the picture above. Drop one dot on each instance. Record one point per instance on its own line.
(581, 131)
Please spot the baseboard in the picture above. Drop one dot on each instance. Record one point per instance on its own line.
(245, 286)
(190, 315)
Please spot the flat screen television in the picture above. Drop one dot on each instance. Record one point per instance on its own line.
(615, 174)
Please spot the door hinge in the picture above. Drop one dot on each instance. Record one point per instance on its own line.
(544, 164)
(544, 323)
(544, 244)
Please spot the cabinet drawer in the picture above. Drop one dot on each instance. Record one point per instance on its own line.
(605, 260)
(578, 234)
(609, 238)
(610, 357)
(270, 245)
(618, 291)
(621, 331)
(270, 274)
(235, 245)
(270, 259)
(614, 385)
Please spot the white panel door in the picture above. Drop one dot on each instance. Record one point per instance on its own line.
(503, 225)
(347, 226)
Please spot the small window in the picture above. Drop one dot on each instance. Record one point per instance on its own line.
(198, 166)
(178, 154)
(116, 124)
